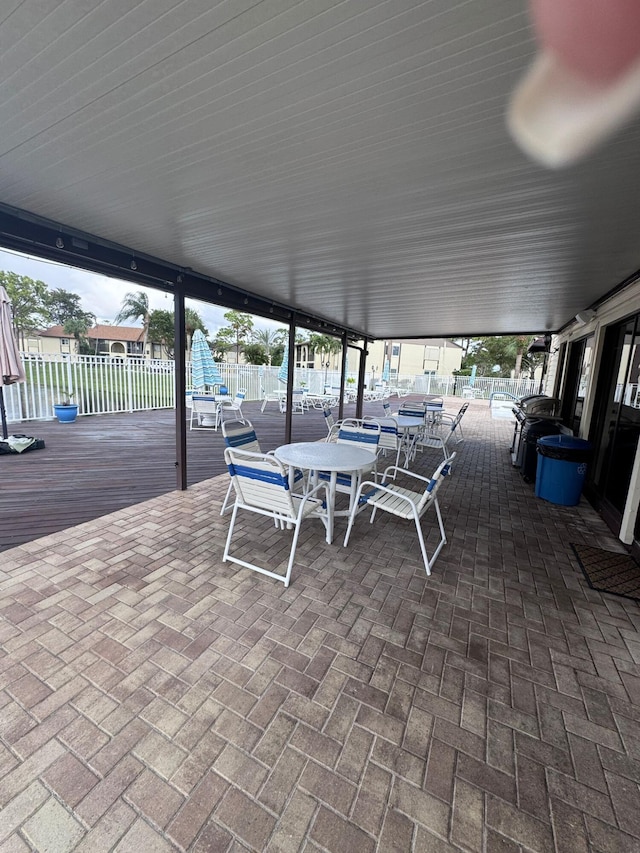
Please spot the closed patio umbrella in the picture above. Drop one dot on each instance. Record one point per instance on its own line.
(204, 370)
(283, 373)
(11, 368)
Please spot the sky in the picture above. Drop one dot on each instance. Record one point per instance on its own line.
(103, 296)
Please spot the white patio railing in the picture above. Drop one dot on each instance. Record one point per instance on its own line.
(107, 385)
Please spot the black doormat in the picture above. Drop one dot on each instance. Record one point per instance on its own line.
(609, 571)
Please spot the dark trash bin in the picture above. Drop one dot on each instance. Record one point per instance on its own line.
(532, 430)
(562, 466)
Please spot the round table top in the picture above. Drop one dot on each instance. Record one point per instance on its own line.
(318, 455)
(408, 421)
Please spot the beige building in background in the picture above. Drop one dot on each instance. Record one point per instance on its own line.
(120, 341)
(418, 357)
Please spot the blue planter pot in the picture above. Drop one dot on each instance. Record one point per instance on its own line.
(66, 414)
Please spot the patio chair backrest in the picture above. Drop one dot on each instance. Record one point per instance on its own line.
(389, 435)
(437, 478)
(241, 436)
(455, 422)
(328, 417)
(386, 405)
(260, 481)
(204, 405)
(360, 434)
(413, 410)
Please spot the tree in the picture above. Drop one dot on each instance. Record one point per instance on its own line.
(193, 321)
(498, 355)
(223, 342)
(28, 303)
(135, 306)
(325, 345)
(63, 305)
(255, 354)
(269, 340)
(241, 325)
(78, 327)
(162, 328)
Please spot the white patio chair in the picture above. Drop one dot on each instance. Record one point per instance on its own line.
(446, 418)
(270, 397)
(234, 405)
(299, 403)
(203, 410)
(390, 438)
(261, 485)
(430, 440)
(386, 407)
(360, 434)
(413, 410)
(329, 420)
(242, 436)
(404, 503)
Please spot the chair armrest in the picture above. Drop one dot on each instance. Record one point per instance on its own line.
(379, 487)
(406, 471)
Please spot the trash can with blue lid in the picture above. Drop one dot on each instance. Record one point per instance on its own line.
(562, 466)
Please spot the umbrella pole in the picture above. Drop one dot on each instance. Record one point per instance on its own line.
(3, 414)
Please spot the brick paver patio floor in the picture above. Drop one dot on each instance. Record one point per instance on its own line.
(153, 698)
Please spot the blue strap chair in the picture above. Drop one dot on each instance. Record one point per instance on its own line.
(241, 435)
(404, 503)
(261, 484)
(234, 405)
(359, 433)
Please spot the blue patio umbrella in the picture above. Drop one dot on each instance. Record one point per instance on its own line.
(386, 371)
(204, 370)
(283, 373)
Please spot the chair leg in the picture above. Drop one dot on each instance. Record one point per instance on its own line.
(294, 545)
(352, 516)
(443, 538)
(232, 524)
(225, 503)
(416, 518)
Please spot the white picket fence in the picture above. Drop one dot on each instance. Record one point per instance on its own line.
(107, 385)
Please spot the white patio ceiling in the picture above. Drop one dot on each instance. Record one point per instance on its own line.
(347, 158)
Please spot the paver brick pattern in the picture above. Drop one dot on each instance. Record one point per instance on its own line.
(153, 698)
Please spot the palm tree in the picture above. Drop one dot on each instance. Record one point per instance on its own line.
(268, 339)
(192, 321)
(135, 306)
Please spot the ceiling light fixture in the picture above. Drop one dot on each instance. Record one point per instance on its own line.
(133, 265)
(59, 243)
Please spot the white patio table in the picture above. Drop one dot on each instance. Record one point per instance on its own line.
(321, 456)
(408, 426)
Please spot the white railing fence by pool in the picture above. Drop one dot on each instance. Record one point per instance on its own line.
(106, 385)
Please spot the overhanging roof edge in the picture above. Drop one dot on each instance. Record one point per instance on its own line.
(27, 232)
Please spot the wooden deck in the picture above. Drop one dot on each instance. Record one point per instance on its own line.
(103, 463)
